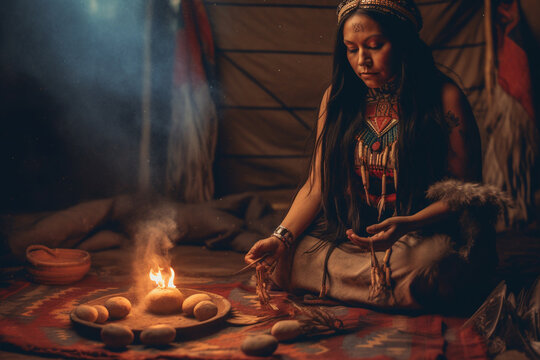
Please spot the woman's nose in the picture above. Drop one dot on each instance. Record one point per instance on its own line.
(364, 60)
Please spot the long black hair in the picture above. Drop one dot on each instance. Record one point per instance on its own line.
(423, 134)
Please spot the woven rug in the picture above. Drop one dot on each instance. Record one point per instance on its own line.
(35, 319)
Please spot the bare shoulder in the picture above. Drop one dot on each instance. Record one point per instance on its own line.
(326, 95)
(323, 107)
(464, 160)
(452, 97)
(456, 108)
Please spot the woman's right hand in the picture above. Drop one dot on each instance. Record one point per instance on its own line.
(271, 246)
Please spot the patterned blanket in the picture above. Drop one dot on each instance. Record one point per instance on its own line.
(35, 319)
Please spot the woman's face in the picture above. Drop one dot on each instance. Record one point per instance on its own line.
(369, 52)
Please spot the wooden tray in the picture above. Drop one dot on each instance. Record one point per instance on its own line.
(138, 318)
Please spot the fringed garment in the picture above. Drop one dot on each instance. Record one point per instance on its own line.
(437, 267)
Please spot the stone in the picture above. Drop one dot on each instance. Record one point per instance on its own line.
(116, 335)
(259, 345)
(287, 330)
(158, 335)
(118, 307)
(191, 301)
(164, 301)
(103, 314)
(205, 310)
(86, 313)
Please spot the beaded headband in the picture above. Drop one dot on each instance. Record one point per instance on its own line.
(405, 10)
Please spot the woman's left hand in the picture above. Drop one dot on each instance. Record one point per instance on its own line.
(386, 233)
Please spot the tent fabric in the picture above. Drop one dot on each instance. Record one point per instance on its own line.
(274, 61)
(193, 134)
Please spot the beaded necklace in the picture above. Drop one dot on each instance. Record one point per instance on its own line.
(376, 146)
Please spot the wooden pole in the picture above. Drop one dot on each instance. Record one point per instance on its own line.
(489, 66)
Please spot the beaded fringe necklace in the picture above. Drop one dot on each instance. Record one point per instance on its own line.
(378, 162)
(376, 151)
(377, 146)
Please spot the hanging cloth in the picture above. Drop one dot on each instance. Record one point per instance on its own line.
(193, 132)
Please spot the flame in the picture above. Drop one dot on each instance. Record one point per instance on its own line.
(171, 279)
(159, 280)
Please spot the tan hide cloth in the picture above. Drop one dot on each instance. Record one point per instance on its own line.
(445, 265)
(423, 270)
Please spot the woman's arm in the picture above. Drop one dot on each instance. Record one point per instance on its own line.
(464, 163)
(387, 232)
(307, 202)
(464, 156)
(305, 206)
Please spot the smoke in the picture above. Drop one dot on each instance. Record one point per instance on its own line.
(87, 56)
(154, 236)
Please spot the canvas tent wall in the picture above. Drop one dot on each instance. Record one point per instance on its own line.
(274, 60)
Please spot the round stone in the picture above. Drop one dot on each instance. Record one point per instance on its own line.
(118, 307)
(116, 335)
(164, 301)
(86, 313)
(191, 301)
(158, 335)
(205, 310)
(376, 146)
(103, 314)
(286, 330)
(259, 345)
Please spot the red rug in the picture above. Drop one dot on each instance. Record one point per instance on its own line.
(35, 319)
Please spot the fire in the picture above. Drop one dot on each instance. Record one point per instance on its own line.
(159, 280)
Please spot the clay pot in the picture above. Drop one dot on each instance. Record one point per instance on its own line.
(56, 266)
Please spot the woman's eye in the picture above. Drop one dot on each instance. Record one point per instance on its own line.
(349, 50)
(374, 46)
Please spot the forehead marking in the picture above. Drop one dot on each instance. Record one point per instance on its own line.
(359, 27)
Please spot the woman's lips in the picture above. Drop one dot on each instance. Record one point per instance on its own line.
(367, 74)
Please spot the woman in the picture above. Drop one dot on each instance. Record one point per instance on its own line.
(389, 111)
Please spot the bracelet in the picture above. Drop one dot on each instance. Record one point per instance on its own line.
(284, 235)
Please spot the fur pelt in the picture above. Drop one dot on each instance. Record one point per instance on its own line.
(477, 208)
(459, 195)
